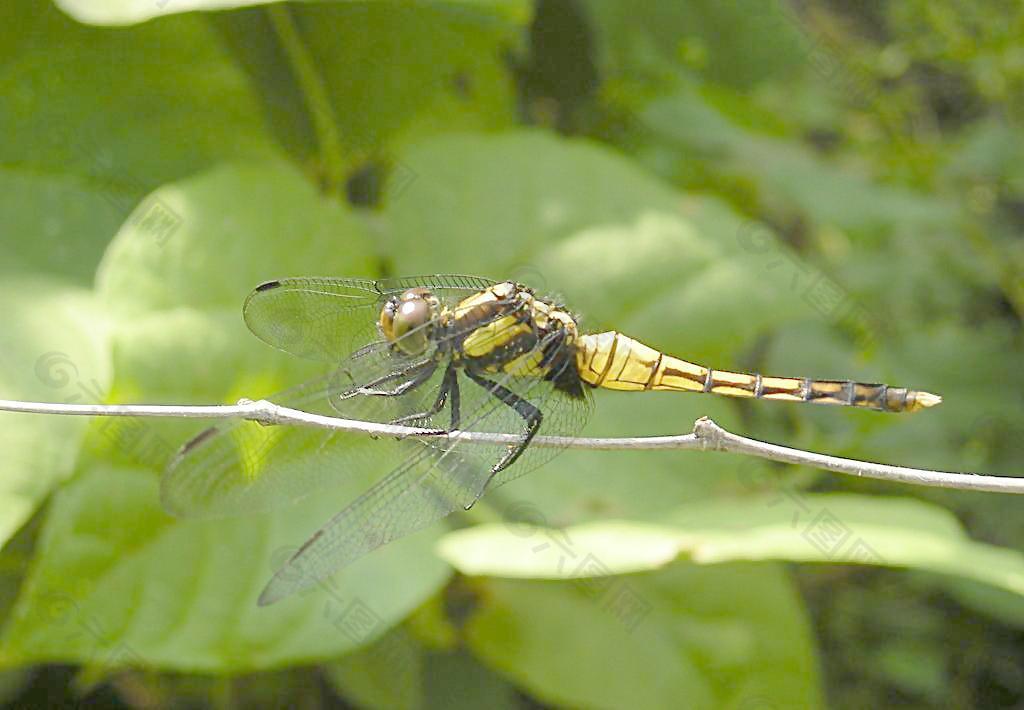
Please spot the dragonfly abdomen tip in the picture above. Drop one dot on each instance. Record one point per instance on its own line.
(923, 400)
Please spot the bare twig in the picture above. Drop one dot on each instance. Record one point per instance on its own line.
(706, 436)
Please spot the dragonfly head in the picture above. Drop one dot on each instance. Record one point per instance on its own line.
(407, 320)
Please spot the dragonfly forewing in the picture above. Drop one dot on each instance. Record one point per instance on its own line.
(326, 319)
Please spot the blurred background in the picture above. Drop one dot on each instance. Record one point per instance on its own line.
(820, 188)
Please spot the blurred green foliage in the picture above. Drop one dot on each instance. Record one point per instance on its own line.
(819, 187)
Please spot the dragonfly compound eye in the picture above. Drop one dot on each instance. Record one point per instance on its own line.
(406, 321)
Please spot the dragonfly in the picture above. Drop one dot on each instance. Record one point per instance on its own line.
(447, 354)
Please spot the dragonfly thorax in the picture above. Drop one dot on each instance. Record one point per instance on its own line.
(507, 330)
(501, 330)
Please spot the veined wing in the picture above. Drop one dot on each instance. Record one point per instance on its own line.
(443, 285)
(245, 467)
(443, 475)
(321, 318)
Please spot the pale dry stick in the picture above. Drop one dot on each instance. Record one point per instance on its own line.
(706, 436)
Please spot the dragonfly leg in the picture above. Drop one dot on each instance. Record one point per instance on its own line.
(523, 408)
(455, 404)
(421, 372)
(449, 385)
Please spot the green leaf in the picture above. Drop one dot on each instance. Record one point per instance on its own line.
(538, 553)
(179, 300)
(915, 666)
(788, 175)
(837, 528)
(211, 260)
(150, 590)
(96, 119)
(573, 217)
(123, 12)
(396, 672)
(145, 583)
(126, 12)
(385, 674)
(410, 69)
(992, 602)
(731, 636)
(736, 42)
(54, 347)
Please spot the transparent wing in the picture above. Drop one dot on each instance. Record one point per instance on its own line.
(320, 318)
(314, 318)
(441, 476)
(458, 285)
(244, 467)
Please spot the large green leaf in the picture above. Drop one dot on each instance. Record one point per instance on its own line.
(790, 178)
(54, 347)
(574, 218)
(840, 528)
(145, 583)
(95, 119)
(150, 590)
(725, 637)
(241, 225)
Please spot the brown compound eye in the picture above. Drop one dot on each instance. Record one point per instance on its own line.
(406, 321)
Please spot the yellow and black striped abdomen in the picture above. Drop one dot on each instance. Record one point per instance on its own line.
(614, 361)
